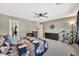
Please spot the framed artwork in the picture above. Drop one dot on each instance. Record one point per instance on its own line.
(52, 26)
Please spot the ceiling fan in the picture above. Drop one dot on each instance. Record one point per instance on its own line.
(40, 15)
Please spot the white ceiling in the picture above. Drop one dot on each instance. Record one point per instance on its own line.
(24, 10)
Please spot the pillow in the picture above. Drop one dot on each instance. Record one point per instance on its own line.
(11, 40)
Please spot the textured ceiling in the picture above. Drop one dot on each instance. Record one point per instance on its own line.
(25, 10)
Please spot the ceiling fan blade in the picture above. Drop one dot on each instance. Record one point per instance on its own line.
(45, 13)
(35, 13)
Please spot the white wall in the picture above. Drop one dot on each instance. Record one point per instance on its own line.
(60, 24)
(25, 26)
(4, 24)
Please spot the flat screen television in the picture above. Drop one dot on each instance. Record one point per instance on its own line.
(53, 36)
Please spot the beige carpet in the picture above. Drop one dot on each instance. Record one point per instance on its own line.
(56, 48)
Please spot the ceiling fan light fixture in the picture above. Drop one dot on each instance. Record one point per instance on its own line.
(41, 15)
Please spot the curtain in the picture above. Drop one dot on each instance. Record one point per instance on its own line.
(77, 34)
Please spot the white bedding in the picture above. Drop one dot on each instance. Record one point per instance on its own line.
(56, 48)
